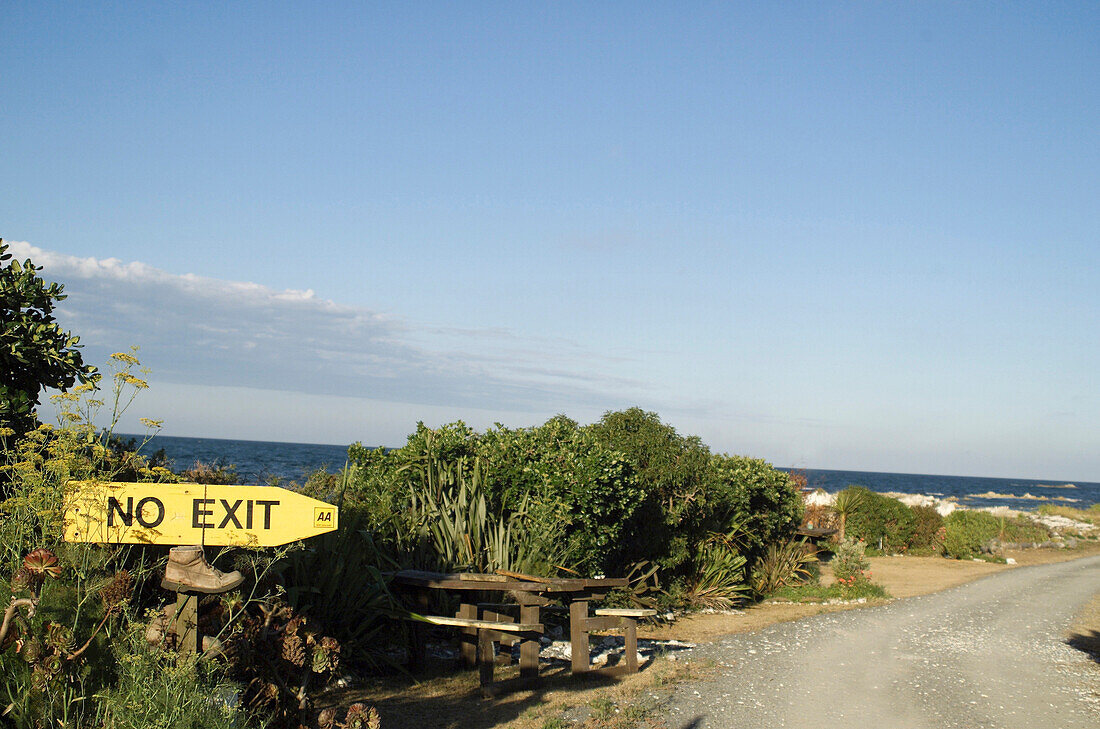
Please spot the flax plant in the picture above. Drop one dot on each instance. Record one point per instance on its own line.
(451, 517)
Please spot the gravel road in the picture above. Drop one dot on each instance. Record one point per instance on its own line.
(989, 654)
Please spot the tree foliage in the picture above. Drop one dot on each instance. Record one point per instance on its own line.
(34, 350)
(625, 490)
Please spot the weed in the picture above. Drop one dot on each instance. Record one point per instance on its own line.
(602, 707)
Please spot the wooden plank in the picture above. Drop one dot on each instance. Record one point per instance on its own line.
(468, 647)
(529, 648)
(521, 576)
(527, 598)
(631, 647)
(479, 577)
(418, 637)
(485, 657)
(185, 623)
(603, 623)
(506, 640)
(605, 582)
(481, 624)
(627, 612)
(578, 636)
(498, 584)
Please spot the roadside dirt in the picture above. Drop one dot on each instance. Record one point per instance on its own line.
(901, 576)
(451, 699)
(990, 653)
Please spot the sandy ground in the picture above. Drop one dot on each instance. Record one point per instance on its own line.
(452, 699)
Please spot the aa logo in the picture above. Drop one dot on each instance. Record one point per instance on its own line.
(323, 518)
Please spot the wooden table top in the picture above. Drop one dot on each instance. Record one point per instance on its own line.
(484, 581)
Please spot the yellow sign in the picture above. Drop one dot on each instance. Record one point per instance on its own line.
(191, 513)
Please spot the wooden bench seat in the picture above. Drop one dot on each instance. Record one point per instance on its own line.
(625, 619)
(483, 624)
(627, 612)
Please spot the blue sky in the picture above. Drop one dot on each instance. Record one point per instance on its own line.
(832, 235)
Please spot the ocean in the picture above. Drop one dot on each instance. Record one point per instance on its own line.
(1016, 493)
(260, 461)
(256, 461)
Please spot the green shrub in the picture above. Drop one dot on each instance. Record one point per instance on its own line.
(967, 531)
(336, 580)
(880, 521)
(928, 531)
(573, 480)
(625, 490)
(750, 491)
(670, 475)
(850, 559)
(35, 352)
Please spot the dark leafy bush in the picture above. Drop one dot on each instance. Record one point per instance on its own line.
(850, 560)
(625, 490)
(572, 478)
(670, 471)
(928, 531)
(880, 521)
(751, 492)
(967, 531)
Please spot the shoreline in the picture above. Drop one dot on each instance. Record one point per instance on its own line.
(945, 505)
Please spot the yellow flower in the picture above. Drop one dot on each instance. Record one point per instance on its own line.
(131, 380)
(150, 423)
(124, 357)
(5, 432)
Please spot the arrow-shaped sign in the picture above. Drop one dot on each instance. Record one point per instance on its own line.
(191, 513)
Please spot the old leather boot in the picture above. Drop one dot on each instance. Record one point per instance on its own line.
(188, 571)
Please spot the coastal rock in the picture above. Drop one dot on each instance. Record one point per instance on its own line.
(943, 507)
(995, 547)
(820, 497)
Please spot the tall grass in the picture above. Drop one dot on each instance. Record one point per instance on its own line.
(1090, 515)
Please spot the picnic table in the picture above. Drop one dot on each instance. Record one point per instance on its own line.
(486, 622)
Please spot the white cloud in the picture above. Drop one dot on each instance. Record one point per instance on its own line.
(195, 330)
